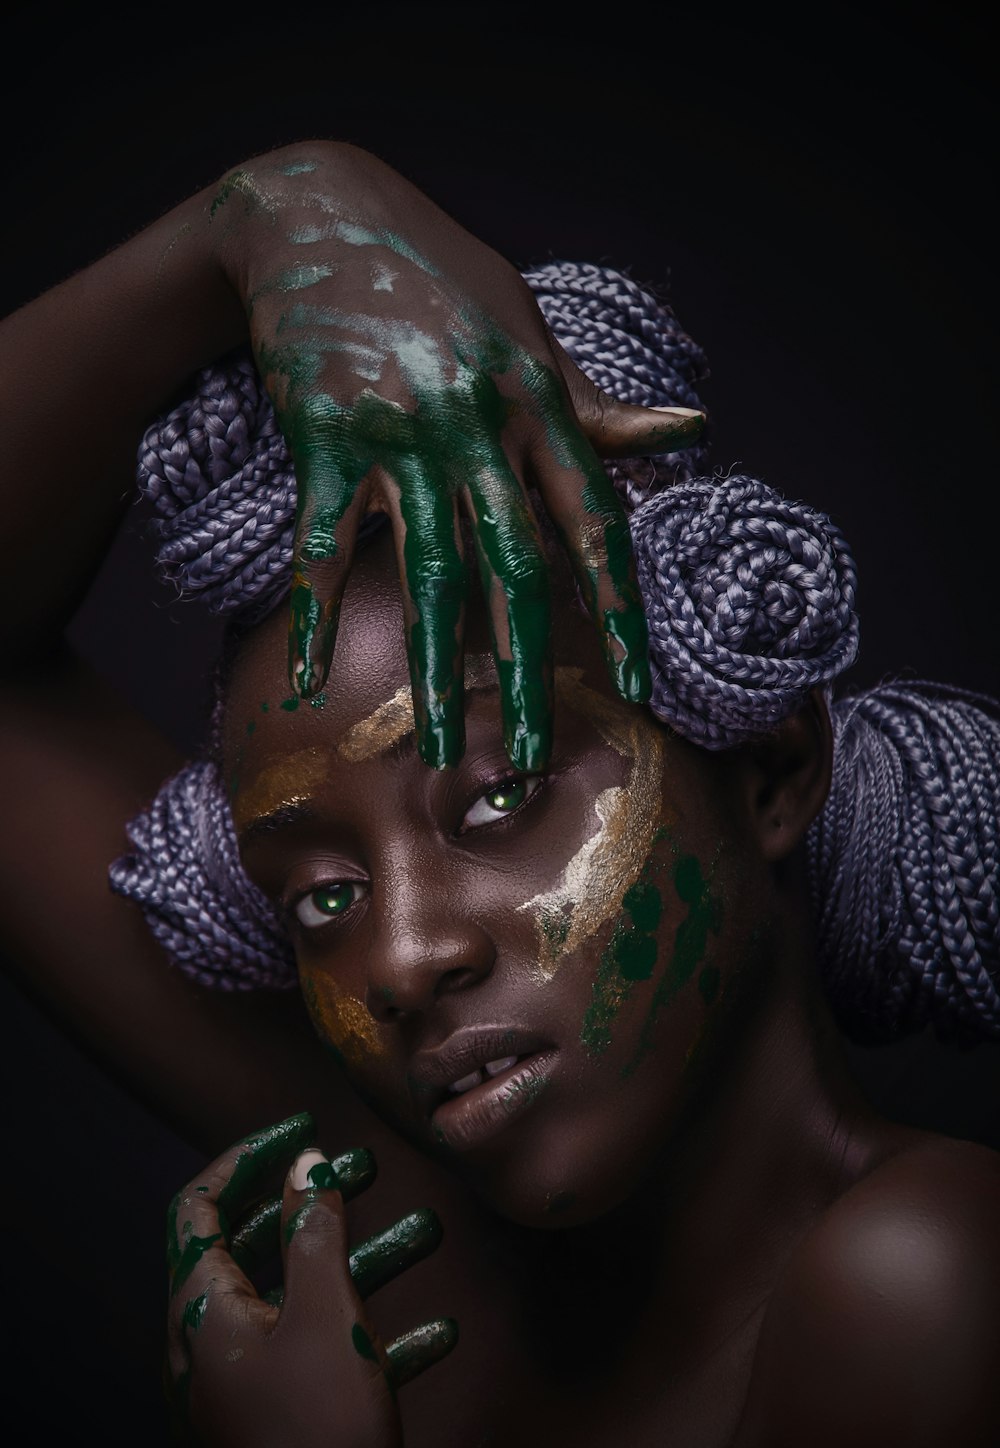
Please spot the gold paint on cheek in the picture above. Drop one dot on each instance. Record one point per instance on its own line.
(393, 720)
(287, 781)
(596, 879)
(344, 1021)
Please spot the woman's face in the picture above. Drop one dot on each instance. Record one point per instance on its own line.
(516, 972)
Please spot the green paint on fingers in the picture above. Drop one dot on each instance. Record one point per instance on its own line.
(363, 1344)
(194, 1312)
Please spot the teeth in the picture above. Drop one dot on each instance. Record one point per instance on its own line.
(466, 1083)
(493, 1068)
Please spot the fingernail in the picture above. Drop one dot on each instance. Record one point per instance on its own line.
(635, 681)
(681, 411)
(311, 1171)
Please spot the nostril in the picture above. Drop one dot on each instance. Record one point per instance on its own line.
(382, 1004)
(457, 979)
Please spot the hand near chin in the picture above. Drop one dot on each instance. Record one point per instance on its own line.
(303, 1367)
(412, 373)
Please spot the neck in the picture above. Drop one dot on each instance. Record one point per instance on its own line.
(775, 1129)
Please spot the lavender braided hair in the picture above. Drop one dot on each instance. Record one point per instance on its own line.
(750, 600)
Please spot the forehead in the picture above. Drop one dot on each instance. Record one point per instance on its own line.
(365, 707)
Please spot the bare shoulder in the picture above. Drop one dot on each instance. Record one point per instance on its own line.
(885, 1326)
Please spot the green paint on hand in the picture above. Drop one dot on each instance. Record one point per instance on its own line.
(363, 1345)
(191, 1254)
(194, 1312)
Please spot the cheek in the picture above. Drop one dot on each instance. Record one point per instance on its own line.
(342, 1021)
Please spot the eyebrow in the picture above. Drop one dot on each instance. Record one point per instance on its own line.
(286, 815)
(389, 729)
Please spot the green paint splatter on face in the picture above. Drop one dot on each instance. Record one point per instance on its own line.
(629, 956)
(363, 1345)
(251, 727)
(318, 700)
(708, 983)
(291, 703)
(690, 943)
(265, 706)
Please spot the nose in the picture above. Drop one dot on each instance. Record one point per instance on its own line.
(427, 944)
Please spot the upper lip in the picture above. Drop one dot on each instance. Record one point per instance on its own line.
(465, 1051)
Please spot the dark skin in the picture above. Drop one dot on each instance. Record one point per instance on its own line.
(634, 1300)
(691, 1234)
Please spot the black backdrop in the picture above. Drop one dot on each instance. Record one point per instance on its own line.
(817, 186)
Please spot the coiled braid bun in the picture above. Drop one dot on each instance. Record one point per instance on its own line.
(751, 604)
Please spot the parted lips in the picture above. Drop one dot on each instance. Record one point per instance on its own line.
(750, 600)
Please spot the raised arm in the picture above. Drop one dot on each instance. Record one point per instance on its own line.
(412, 373)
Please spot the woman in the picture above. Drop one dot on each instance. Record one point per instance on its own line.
(675, 1234)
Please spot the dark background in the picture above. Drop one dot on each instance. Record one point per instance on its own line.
(816, 185)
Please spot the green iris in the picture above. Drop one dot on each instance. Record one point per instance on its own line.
(508, 796)
(333, 899)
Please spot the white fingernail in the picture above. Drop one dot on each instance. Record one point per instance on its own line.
(298, 1177)
(679, 411)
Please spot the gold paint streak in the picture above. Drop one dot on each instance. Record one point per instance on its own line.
(596, 879)
(288, 781)
(345, 1021)
(393, 720)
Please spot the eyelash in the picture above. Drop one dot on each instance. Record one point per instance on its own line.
(531, 782)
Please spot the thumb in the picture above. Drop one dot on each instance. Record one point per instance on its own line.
(319, 1292)
(619, 429)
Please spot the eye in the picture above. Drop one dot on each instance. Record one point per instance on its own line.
(502, 800)
(321, 906)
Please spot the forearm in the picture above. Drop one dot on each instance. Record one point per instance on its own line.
(82, 369)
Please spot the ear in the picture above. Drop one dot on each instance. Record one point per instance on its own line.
(788, 777)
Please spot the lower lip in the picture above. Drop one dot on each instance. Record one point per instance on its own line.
(464, 1121)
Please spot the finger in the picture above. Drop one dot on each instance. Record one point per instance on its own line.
(515, 579)
(331, 462)
(413, 1352)
(319, 1295)
(385, 1255)
(620, 429)
(257, 1238)
(593, 526)
(199, 1215)
(433, 579)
